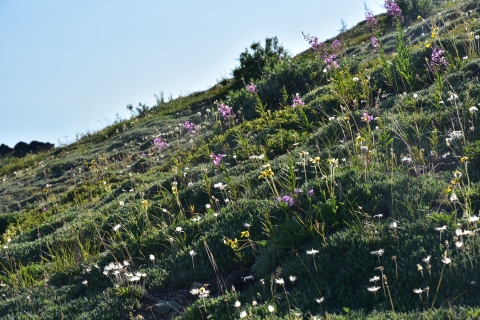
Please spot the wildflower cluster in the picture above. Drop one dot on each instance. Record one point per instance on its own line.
(190, 127)
(267, 173)
(231, 243)
(438, 60)
(217, 158)
(160, 144)
(252, 88)
(225, 111)
(394, 11)
(371, 22)
(297, 101)
(201, 292)
(328, 56)
(287, 199)
(375, 43)
(366, 117)
(121, 272)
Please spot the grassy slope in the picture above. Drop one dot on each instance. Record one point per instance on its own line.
(59, 209)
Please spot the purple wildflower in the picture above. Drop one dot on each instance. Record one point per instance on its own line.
(366, 117)
(321, 49)
(143, 154)
(334, 64)
(393, 11)
(217, 158)
(375, 43)
(252, 88)
(44, 209)
(310, 192)
(316, 46)
(160, 144)
(297, 190)
(287, 199)
(190, 127)
(225, 111)
(371, 21)
(438, 59)
(337, 46)
(297, 101)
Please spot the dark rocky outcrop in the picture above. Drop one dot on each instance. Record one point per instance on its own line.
(21, 149)
(4, 149)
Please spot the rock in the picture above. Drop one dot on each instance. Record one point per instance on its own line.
(176, 306)
(4, 149)
(234, 276)
(172, 315)
(149, 297)
(161, 308)
(21, 149)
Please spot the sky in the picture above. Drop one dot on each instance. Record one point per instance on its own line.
(69, 67)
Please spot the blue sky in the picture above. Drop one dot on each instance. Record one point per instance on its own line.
(68, 67)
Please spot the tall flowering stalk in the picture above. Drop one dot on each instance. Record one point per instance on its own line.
(328, 56)
(394, 11)
(372, 25)
(437, 63)
(268, 174)
(404, 57)
(260, 107)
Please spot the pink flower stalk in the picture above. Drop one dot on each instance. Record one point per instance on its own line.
(316, 46)
(371, 21)
(252, 88)
(393, 11)
(375, 43)
(297, 101)
(337, 46)
(366, 117)
(321, 49)
(438, 59)
(217, 158)
(160, 144)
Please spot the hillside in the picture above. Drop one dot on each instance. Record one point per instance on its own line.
(343, 183)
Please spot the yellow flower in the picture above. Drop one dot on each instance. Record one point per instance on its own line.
(434, 35)
(315, 160)
(359, 138)
(144, 204)
(449, 189)
(231, 243)
(245, 234)
(463, 159)
(266, 173)
(419, 17)
(428, 45)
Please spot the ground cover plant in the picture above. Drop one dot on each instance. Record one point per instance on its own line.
(341, 183)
